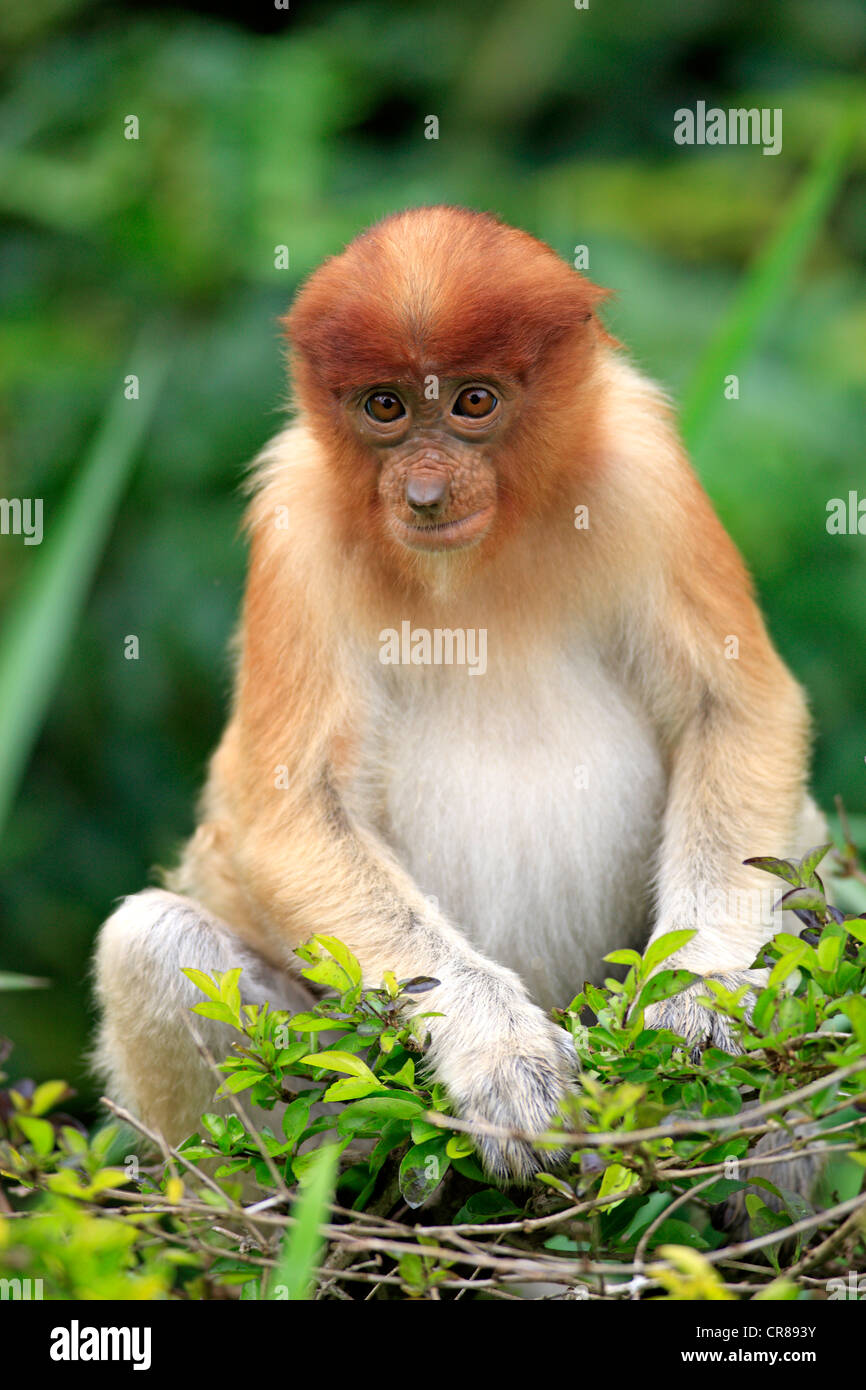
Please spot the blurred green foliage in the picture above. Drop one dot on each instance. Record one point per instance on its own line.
(558, 119)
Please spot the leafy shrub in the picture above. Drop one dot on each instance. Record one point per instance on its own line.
(658, 1141)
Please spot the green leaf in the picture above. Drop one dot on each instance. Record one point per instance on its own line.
(665, 946)
(39, 1132)
(786, 966)
(828, 949)
(469, 1168)
(64, 1181)
(856, 928)
(782, 868)
(330, 974)
(241, 1081)
(810, 862)
(296, 1118)
(765, 1006)
(372, 1113)
(201, 981)
(596, 1000)
(236, 1165)
(294, 1276)
(10, 981)
(664, 986)
(311, 1023)
(763, 1221)
(803, 900)
(46, 1096)
(563, 1243)
(219, 1011)
(342, 955)
(422, 1130)
(769, 279)
(75, 1141)
(486, 1206)
(650, 1207)
(304, 1165)
(411, 1268)
(107, 1178)
(854, 1006)
(396, 1105)
(419, 984)
(352, 1088)
(405, 1076)
(215, 1126)
(616, 1180)
(624, 957)
(335, 1060)
(46, 611)
(786, 941)
(459, 1146)
(674, 1232)
(422, 1170)
(551, 1180)
(192, 1148)
(229, 991)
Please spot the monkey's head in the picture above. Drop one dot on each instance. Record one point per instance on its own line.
(441, 360)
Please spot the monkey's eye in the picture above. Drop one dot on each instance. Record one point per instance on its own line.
(475, 401)
(384, 406)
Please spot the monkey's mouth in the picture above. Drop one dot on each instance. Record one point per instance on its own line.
(444, 535)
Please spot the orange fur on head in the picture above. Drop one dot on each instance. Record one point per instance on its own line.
(437, 289)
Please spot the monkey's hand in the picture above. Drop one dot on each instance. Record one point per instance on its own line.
(688, 1015)
(511, 1075)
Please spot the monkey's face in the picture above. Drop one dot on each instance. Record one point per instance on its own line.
(439, 361)
(435, 445)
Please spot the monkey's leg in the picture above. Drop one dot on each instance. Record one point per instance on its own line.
(145, 1051)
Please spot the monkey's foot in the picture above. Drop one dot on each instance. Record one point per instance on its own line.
(519, 1089)
(687, 1015)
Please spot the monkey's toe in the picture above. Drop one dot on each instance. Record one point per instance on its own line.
(686, 1015)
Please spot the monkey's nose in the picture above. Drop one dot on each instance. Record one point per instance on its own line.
(427, 494)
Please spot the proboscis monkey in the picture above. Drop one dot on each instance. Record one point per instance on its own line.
(504, 700)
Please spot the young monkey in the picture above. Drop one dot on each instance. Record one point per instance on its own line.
(474, 468)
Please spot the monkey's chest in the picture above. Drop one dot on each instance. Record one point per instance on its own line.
(530, 808)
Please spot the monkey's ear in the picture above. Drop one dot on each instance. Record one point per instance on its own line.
(589, 295)
(561, 306)
(595, 296)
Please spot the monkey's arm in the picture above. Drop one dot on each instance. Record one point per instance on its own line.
(736, 728)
